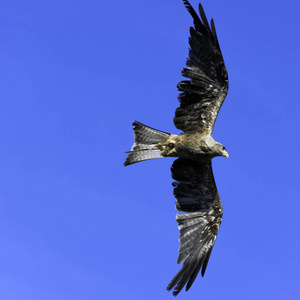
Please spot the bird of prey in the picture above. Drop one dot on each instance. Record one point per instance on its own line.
(197, 198)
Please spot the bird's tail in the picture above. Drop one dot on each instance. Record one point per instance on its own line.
(145, 139)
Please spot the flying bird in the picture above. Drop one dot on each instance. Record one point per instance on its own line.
(197, 197)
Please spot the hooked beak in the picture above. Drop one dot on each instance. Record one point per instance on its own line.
(226, 154)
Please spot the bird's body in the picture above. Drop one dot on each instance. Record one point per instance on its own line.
(197, 197)
(192, 145)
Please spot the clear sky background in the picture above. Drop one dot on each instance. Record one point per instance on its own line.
(74, 223)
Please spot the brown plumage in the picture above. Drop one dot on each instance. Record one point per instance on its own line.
(201, 98)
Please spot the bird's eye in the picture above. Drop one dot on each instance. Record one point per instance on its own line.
(223, 148)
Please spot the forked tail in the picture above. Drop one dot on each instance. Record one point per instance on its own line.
(145, 139)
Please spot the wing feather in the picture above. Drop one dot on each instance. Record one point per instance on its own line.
(203, 16)
(196, 195)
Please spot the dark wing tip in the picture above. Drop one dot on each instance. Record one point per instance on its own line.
(214, 33)
(187, 4)
(206, 261)
(189, 7)
(203, 16)
(202, 26)
(197, 22)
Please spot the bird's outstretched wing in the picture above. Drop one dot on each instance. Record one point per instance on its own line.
(202, 96)
(197, 195)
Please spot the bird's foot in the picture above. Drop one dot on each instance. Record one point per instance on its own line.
(167, 148)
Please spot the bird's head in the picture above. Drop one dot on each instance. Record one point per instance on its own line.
(221, 150)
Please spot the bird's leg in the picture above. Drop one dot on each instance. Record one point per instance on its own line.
(167, 146)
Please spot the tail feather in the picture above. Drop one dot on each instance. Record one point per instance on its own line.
(145, 139)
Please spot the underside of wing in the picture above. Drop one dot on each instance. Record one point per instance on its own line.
(203, 94)
(196, 195)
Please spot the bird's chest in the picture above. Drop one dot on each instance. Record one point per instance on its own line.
(194, 146)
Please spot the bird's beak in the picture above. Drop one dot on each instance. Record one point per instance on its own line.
(226, 154)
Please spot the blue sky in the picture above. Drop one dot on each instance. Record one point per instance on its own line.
(74, 223)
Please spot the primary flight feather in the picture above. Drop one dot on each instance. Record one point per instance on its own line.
(201, 98)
